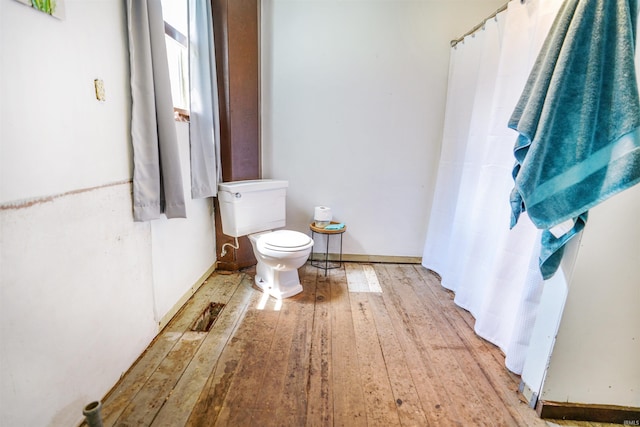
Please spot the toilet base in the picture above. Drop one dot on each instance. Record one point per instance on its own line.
(278, 284)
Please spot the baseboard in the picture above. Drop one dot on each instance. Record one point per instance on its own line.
(373, 258)
(594, 413)
(178, 305)
(530, 395)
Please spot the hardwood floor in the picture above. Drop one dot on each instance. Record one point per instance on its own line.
(397, 352)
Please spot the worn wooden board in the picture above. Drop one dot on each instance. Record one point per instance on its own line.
(348, 398)
(236, 378)
(216, 287)
(361, 278)
(481, 365)
(380, 403)
(144, 407)
(436, 398)
(404, 355)
(411, 410)
(179, 405)
(292, 407)
(319, 384)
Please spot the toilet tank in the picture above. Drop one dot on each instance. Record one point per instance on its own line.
(251, 206)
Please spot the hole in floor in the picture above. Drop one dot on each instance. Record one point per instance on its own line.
(208, 317)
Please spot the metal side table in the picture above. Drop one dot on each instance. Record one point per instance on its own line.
(324, 263)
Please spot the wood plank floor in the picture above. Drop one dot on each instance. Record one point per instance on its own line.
(395, 352)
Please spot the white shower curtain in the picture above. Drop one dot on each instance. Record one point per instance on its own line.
(492, 270)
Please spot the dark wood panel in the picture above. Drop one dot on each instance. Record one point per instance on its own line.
(237, 59)
(599, 413)
(243, 80)
(237, 56)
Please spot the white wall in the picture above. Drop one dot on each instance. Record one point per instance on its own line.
(76, 304)
(353, 96)
(182, 250)
(56, 136)
(545, 328)
(595, 357)
(83, 288)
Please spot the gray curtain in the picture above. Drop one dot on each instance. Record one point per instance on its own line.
(204, 117)
(157, 176)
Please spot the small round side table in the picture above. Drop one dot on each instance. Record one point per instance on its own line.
(324, 262)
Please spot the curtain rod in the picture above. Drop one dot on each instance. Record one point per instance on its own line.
(480, 25)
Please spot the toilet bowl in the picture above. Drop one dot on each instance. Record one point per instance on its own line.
(254, 208)
(279, 254)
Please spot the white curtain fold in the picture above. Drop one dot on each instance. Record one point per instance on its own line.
(157, 176)
(204, 110)
(488, 266)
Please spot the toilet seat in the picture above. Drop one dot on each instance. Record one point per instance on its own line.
(284, 241)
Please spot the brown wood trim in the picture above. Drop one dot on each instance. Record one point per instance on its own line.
(582, 412)
(180, 114)
(164, 321)
(374, 259)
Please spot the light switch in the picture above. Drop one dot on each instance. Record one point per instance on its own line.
(99, 84)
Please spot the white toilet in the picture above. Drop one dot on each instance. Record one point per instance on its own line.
(255, 208)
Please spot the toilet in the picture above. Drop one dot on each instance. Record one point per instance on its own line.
(257, 209)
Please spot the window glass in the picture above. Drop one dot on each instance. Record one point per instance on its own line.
(176, 35)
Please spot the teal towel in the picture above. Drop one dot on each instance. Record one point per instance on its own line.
(334, 226)
(578, 119)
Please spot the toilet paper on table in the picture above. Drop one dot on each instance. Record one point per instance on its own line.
(322, 213)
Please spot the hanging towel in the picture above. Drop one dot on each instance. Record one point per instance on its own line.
(579, 121)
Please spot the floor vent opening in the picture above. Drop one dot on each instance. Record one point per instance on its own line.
(208, 317)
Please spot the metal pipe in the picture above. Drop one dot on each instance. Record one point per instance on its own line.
(92, 414)
(480, 25)
(223, 250)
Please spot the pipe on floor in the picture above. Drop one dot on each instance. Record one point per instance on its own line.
(92, 414)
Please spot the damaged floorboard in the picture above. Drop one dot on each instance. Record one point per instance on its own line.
(398, 352)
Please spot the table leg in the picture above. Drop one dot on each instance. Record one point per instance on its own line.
(326, 256)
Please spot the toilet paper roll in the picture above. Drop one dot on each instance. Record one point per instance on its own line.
(322, 213)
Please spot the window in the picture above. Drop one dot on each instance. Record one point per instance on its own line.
(176, 37)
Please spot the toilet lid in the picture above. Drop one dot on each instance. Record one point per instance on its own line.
(285, 240)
